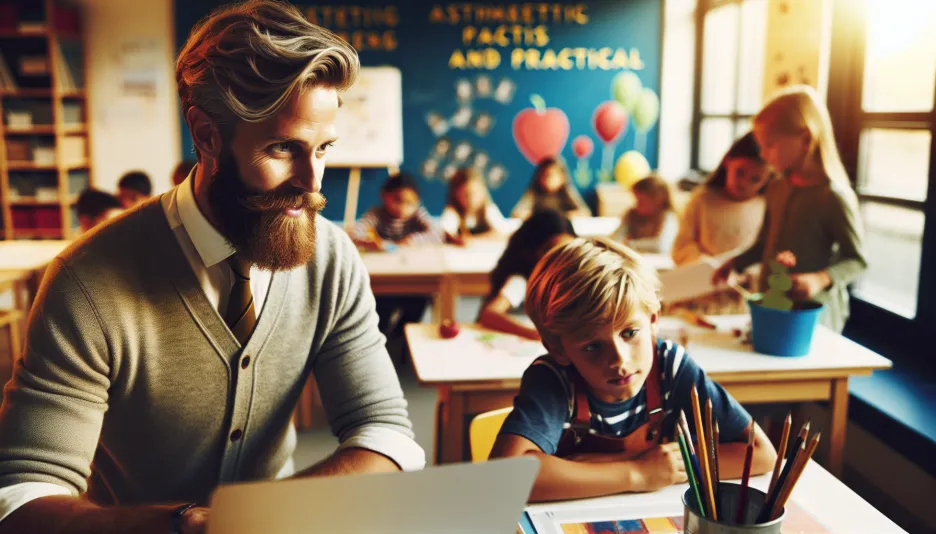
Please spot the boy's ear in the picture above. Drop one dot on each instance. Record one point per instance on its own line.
(557, 353)
(654, 323)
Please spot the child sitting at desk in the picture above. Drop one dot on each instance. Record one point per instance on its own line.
(599, 410)
(469, 211)
(651, 225)
(400, 220)
(551, 189)
(525, 247)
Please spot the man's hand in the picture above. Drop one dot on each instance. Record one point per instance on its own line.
(195, 521)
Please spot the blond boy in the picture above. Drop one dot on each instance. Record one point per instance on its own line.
(599, 410)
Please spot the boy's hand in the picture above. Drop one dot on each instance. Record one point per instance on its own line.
(195, 521)
(722, 274)
(660, 467)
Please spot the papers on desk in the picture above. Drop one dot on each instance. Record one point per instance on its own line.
(658, 512)
(689, 282)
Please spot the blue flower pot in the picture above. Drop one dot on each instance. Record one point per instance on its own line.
(784, 333)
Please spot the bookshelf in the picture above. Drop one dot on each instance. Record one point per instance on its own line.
(45, 143)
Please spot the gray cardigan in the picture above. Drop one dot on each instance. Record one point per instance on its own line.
(131, 387)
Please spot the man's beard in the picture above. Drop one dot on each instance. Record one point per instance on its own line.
(257, 224)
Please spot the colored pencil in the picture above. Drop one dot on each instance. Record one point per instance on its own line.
(794, 477)
(781, 452)
(746, 477)
(693, 483)
(703, 453)
(684, 426)
(712, 433)
(787, 466)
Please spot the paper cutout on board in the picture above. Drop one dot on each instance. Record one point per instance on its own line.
(631, 167)
(625, 89)
(483, 86)
(540, 132)
(482, 123)
(462, 152)
(442, 147)
(461, 118)
(480, 160)
(449, 171)
(429, 168)
(504, 92)
(437, 123)
(463, 90)
(496, 176)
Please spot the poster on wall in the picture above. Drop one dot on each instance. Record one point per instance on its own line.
(499, 86)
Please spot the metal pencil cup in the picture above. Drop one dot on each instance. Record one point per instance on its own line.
(728, 494)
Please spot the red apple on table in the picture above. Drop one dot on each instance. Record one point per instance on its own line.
(448, 329)
(540, 132)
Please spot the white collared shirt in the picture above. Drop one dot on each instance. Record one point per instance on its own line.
(206, 249)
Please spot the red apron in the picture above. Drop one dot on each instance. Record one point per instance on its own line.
(577, 438)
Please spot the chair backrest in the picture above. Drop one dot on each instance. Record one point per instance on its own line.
(483, 432)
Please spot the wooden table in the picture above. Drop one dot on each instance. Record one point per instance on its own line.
(473, 376)
(22, 265)
(821, 495)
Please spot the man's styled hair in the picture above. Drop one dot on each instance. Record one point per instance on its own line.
(588, 282)
(245, 61)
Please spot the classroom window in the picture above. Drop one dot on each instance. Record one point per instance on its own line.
(887, 140)
(730, 48)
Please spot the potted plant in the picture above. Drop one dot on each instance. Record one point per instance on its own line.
(781, 326)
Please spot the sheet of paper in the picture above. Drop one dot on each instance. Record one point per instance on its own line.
(688, 282)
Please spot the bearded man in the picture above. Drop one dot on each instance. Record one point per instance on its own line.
(167, 349)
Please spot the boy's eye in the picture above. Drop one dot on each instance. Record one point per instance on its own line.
(630, 333)
(591, 347)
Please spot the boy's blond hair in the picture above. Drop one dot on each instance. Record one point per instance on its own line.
(585, 283)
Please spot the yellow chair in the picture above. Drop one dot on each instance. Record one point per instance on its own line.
(483, 432)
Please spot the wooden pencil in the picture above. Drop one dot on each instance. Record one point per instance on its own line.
(716, 479)
(703, 453)
(795, 475)
(745, 478)
(785, 473)
(693, 481)
(781, 452)
(684, 425)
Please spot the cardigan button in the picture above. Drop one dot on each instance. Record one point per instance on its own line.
(236, 435)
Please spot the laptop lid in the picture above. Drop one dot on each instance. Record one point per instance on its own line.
(480, 498)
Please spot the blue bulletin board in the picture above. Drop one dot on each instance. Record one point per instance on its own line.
(498, 85)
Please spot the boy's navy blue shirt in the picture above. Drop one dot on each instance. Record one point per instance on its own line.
(542, 407)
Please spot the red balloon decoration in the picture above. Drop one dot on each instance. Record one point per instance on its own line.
(582, 146)
(540, 132)
(610, 120)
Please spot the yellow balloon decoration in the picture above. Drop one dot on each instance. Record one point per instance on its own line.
(631, 167)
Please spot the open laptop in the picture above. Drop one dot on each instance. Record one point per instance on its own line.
(481, 498)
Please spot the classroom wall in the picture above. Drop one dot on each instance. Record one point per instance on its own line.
(799, 37)
(438, 45)
(132, 96)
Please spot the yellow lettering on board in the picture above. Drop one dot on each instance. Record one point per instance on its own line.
(436, 15)
(548, 60)
(456, 60)
(620, 59)
(468, 34)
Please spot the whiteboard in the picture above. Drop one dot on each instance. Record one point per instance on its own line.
(370, 122)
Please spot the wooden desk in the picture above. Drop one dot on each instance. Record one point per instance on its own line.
(411, 271)
(22, 265)
(471, 377)
(824, 497)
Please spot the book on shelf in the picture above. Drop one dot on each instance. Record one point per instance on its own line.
(31, 26)
(7, 81)
(34, 65)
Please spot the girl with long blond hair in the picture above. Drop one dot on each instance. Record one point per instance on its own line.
(812, 209)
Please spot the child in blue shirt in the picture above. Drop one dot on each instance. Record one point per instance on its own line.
(599, 411)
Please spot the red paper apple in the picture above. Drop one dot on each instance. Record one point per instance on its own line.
(448, 329)
(582, 146)
(610, 120)
(540, 132)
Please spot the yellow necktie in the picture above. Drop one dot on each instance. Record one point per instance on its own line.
(240, 315)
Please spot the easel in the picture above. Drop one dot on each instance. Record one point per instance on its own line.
(354, 189)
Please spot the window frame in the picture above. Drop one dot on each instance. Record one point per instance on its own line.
(879, 325)
(703, 7)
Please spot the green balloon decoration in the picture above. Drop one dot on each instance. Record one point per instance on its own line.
(626, 88)
(647, 110)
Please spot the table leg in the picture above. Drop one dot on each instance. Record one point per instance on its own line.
(839, 421)
(453, 430)
(448, 294)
